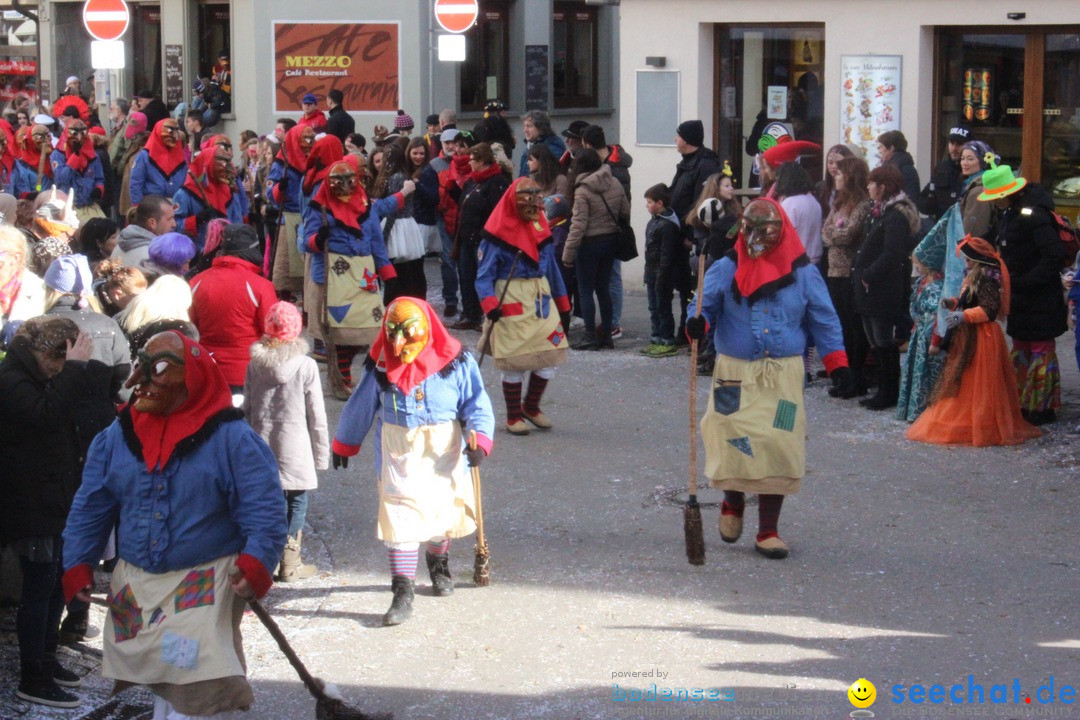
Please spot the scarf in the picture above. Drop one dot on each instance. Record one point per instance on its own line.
(756, 276)
(440, 351)
(326, 151)
(165, 159)
(208, 394)
(77, 160)
(201, 183)
(505, 224)
(290, 153)
(351, 212)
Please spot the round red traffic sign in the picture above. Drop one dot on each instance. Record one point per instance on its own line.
(456, 16)
(106, 19)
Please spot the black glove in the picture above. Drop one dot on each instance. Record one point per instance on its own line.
(494, 314)
(321, 237)
(474, 457)
(564, 318)
(206, 215)
(340, 461)
(695, 328)
(842, 380)
(95, 194)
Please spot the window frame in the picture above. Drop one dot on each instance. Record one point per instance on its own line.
(473, 38)
(571, 98)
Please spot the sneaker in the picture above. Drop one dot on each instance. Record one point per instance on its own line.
(466, 324)
(664, 351)
(650, 348)
(44, 691)
(449, 311)
(576, 322)
(616, 332)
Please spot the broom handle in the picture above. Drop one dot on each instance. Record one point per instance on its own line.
(693, 380)
(481, 543)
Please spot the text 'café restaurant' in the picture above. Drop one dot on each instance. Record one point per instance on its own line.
(843, 71)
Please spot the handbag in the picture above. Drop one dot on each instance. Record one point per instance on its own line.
(625, 237)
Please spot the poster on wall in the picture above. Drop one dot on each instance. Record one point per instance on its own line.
(363, 60)
(18, 77)
(869, 100)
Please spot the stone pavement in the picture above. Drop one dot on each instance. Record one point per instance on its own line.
(910, 564)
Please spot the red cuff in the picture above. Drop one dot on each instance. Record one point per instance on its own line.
(400, 196)
(340, 448)
(255, 573)
(101, 188)
(489, 303)
(484, 443)
(387, 272)
(312, 245)
(835, 359)
(562, 304)
(77, 578)
(191, 224)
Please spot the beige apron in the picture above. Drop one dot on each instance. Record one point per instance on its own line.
(288, 262)
(352, 299)
(755, 427)
(173, 627)
(87, 212)
(525, 338)
(424, 489)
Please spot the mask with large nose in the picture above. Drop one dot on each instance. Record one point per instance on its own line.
(761, 227)
(407, 330)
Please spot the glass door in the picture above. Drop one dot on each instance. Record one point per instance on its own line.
(146, 42)
(1061, 121)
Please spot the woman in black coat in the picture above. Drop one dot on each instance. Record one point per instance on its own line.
(882, 274)
(42, 379)
(483, 189)
(1033, 253)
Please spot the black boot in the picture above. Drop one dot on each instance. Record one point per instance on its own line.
(401, 605)
(857, 388)
(442, 584)
(888, 390)
(36, 686)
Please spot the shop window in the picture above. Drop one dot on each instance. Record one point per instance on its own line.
(1061, 120)
(18, 59)
(213, 43)
(486, 70)
(768, 79)
(146, 41)
(574, 44)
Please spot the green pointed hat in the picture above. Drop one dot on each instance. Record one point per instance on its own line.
(999, 181)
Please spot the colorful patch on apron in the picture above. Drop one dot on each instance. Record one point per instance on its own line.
(743, 445)
(183, 652)
(785, 416)
(340, 266)
(196, 590)
(126, 614)
(726, 397)
(557, 336)
(370, 281)
(543, 306)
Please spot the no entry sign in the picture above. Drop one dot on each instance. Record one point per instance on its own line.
(106, 19)
(456, 16)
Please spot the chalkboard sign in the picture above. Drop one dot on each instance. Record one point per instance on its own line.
(657, 107)
(174, 75)
(536, 77)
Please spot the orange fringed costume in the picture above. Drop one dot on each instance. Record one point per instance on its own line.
(976, 401)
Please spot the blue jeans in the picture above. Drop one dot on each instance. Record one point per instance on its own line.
(593, 265)
(615, 288)
(37, 622)
(467, 267)
(447, 267)
(296, 502)
(660, 295)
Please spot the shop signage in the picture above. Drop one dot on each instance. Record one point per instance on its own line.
(869, 100)
(363, 60)
(456, 16)
(106, 19)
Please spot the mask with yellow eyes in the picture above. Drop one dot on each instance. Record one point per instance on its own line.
(407, 330)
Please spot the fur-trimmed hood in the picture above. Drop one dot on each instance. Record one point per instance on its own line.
(282, 361)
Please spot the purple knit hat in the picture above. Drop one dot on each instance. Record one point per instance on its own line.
(171, 251)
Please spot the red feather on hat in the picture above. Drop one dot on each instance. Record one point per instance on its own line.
(67, 101)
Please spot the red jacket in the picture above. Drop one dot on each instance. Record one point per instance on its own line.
(451, 181)
(229, 303)
(317, 121)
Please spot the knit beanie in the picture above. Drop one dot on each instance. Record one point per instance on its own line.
(136, 123)
(693, 132)
(242, 241)
(283, 322)
(171, 251)
(70, 274)
(556, 209)
(403, 121)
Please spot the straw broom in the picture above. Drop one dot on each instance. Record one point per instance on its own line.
(692, 528)
(481, 565)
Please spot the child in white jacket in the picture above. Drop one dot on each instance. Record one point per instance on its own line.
(283, 401)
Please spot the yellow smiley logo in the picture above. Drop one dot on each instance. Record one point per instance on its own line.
(862, 693)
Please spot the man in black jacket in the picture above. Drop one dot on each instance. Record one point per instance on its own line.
(338, 122)
(946, 183)
(697, 165)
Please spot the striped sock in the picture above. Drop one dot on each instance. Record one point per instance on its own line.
(537, 385)
(769, 515)
(345, 355)
(438, 548)
(512, 395)
(403, 562)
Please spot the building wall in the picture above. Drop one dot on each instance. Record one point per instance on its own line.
(681, 30)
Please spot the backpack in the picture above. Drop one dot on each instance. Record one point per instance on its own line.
(1070, 238)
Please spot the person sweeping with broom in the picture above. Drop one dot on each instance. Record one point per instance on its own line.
(419, 390)
(759, 300)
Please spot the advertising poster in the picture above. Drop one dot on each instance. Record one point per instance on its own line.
(363, 60)
(869, 100)
(18, 76)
